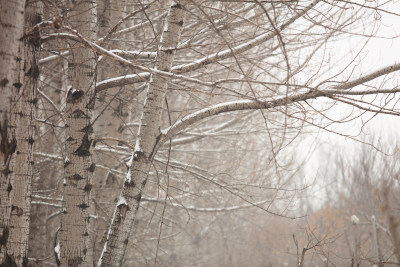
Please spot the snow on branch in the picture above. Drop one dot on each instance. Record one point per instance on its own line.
(130, 79)
(198, 209)
(234, 106)
(279, 101)
(368, 77)
(46, 204)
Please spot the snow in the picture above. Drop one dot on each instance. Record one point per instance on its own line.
(57, 250)
(102, 253)
(138, 148)
(117, 51)
(129, 164)
(128, 176)
(166, 25)
(116, 79)
(72, 90)
(164, 131)
(67, 160)
(354, 219)
(122, 201)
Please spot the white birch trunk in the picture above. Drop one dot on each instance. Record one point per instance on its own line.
(75, 247)
(24, 98)
(11, 30)
(127, 206)
(110, 111)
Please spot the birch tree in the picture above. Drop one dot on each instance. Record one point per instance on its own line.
(256, 70)
(11, 32)
(75, 248)
(333, 91)
(24, 99)
(140, 162)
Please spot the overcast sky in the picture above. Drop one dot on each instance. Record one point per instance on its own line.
(378, 53)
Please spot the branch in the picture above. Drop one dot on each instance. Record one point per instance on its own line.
(115, 34)
(197, 209)
(136, 77)
(368, 77)
(234, 106)
(52, 104)
(134, 54)
(46, 204)
(116, 26)
(130, 79)
(167, 133)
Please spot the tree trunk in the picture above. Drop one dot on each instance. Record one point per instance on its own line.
(24, 99)
(136, 178)
(11, 30)
(75, 248)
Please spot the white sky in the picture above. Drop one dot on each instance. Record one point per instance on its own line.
(378, 53)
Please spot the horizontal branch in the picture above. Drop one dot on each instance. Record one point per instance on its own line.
(184, 68)
(114, 34)
(279, 101)
(233, 106)
(137, 77)
(134, 54)
(368, 77)
(46, 204)
(198, 209)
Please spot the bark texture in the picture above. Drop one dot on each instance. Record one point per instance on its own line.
(75, 247)
(11, 30)
(136, 178)
(24, 99)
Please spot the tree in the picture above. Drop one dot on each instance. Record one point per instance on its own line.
(20, 74)
(357, 210)
(12, 14)
(75, 246)
(217, 92)
(140, 161)
(157, 138)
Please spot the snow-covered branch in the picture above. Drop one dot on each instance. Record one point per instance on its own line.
(279, 101)
(368, 77)
(184, 68)
(198, 209)
(234, 106)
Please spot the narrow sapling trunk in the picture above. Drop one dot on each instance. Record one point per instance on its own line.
(139, 165)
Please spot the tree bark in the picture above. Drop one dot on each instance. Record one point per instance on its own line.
(24, 99)
(136, 178)
(75, 247)
(11, 30)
